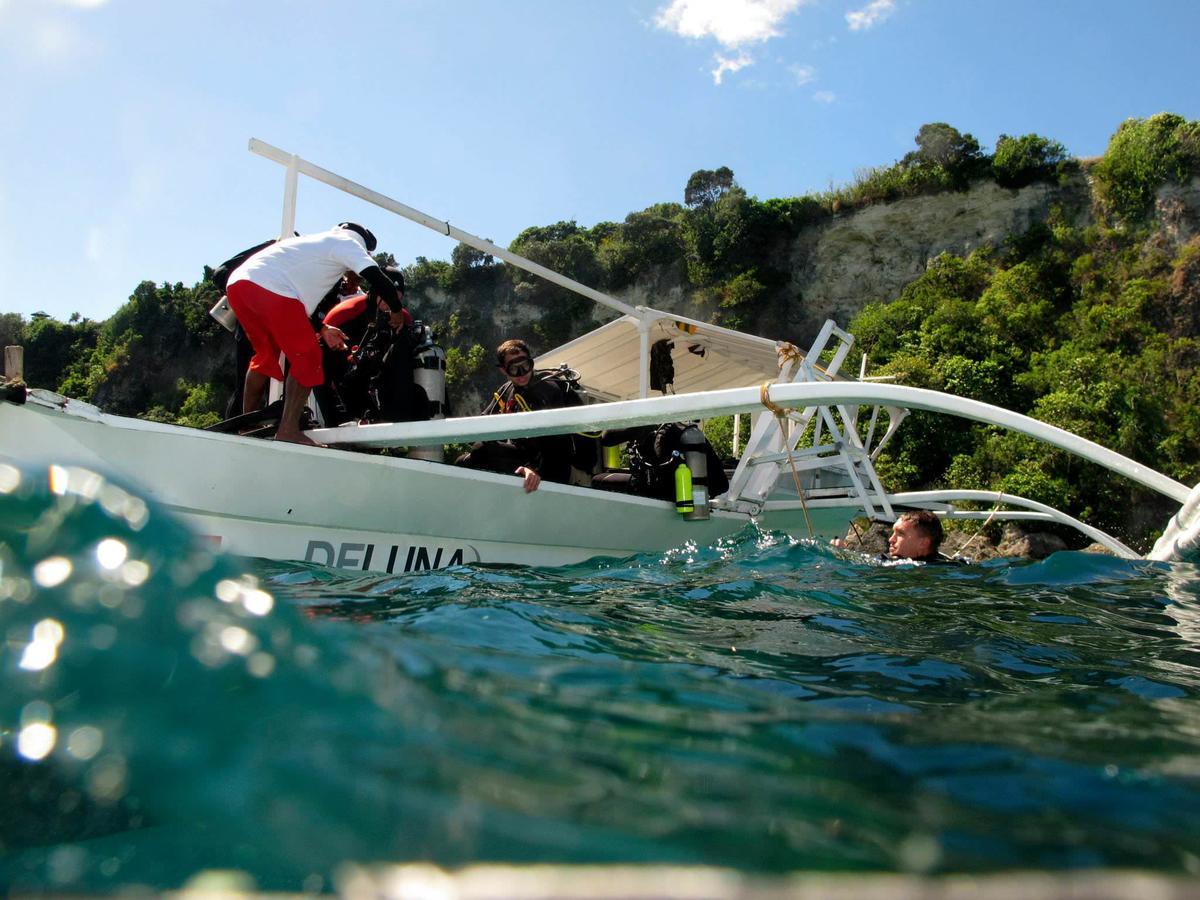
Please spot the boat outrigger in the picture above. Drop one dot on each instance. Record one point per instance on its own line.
(807, 467)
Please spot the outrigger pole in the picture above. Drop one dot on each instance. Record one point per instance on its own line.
(628, 413)
(297, 166)
(303, 167)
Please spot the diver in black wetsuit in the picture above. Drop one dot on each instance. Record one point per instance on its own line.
(526, 389)
(916, 535)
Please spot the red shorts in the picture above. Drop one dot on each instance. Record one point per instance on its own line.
(276, 324)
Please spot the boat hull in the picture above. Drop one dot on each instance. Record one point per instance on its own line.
(360, 511)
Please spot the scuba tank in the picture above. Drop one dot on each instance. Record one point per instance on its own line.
(429, 374)
(683, 486)
(224, 315)
(612, 457)
(692, 443)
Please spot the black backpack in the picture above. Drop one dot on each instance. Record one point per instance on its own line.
(652, 470)
(220, 275)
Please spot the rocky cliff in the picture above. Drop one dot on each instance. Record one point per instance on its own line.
(868, 255)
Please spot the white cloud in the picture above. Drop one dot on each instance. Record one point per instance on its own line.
(802, 74)
(725, 64)
(824, 96)
(870, 15)
(55, 40)
(41, 32)
(731, 22)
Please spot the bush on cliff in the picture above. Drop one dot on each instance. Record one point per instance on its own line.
(1143, 155)
(1019, 161)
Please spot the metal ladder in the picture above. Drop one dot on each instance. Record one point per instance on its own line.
(834, 451)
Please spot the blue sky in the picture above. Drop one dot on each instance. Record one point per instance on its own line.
(123, 152)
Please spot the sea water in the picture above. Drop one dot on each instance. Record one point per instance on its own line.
(764, 704)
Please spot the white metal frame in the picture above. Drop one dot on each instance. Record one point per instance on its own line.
(770, 452)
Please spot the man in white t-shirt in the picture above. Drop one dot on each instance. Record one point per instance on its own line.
(274, 292)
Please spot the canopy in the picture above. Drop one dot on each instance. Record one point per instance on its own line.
(705, 357)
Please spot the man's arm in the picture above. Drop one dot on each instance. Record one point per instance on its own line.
(383, 287)
(350, 308)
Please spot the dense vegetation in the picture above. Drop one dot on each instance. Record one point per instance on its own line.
(1094, 326)
(1092, 329)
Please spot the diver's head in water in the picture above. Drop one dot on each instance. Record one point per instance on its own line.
(915, 535)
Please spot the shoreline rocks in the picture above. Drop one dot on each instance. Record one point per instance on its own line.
(975, 544)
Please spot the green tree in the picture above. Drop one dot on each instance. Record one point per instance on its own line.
(648, 240)
(461, 367)
(939, 144)
(738, 296)
(1142, 155)
(12, 327)
(1019, 161)
(706, 186)
(425, 274)
(568, 249)
(50, 348)
(1015, 309)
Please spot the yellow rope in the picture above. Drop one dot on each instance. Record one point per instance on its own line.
(780, 413)
(764, 394)
(786, 353)
(963, 549)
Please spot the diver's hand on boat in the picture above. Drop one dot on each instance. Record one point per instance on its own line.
(333, 337)
(532, 478)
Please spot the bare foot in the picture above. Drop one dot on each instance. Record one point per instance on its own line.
(298, 437)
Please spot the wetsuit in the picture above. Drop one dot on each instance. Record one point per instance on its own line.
(549, 456)
(933, 559)
(381, 377)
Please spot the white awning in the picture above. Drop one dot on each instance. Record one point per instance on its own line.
(705, 357)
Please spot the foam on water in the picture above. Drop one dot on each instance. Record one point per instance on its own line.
(761, 704)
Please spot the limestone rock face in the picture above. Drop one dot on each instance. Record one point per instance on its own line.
(869, 255)
(1177, 211)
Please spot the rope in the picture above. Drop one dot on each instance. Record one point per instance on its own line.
(780, 413)
(785, 353)
(963, 549)
(764, 394)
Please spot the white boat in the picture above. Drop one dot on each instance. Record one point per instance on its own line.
(353, 510)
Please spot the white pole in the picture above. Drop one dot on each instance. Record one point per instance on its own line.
(288, 227)
(643, 358)
(357, 190)
(797, 395)
(737, 433)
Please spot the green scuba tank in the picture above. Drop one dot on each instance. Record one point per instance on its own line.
(612, 457)
(683, 485)
(693, 445)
